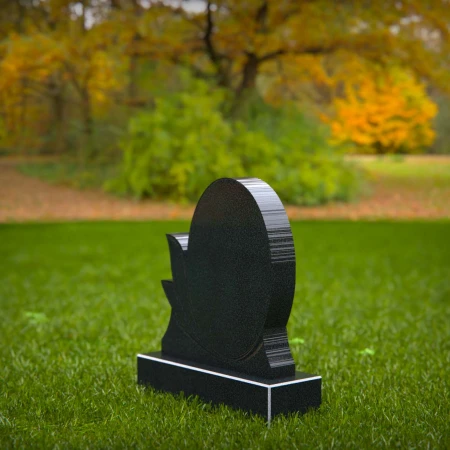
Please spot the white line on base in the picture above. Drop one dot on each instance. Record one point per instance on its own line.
(230, 377)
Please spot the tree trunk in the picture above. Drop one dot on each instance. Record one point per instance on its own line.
(60, 123)
(87, 148)
(58, 108)
(247, 87)
(249, 73)
(23, 139)
(132, 80)
(133, 67)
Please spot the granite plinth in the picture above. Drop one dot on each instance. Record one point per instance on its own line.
(264, 397)
(231, 294)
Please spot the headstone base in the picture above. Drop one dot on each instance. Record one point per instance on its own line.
(259, 396)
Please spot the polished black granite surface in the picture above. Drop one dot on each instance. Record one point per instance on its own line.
(231, 296)
(268, 398)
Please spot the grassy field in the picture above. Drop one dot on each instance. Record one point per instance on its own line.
(408, 169)
(396, 168)
(79, 301)
(70, 174)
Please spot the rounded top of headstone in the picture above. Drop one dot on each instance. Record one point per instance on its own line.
(240, 266)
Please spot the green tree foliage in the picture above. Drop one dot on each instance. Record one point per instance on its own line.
(184, 143)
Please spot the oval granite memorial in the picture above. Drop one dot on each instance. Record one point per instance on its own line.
(232, 292)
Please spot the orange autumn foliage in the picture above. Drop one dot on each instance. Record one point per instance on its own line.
(388, 112)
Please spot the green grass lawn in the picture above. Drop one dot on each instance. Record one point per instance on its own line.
(417, 172)
(408, 170)
(79, 301)
(70, 174)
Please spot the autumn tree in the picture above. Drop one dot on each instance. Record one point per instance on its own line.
(378, 108)
(91, 71)
(59, 61)
(235, 41)
(385, 112)
(28, 64)
(63, 59)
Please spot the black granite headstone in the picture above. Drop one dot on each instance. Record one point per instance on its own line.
(231, 297)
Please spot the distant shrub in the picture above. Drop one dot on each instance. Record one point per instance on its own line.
(384, 113)
(175, 150)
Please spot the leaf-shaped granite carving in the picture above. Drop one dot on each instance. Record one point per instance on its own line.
(233, 282)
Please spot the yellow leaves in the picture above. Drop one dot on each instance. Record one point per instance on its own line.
(31, 57)
(37, 68)
(34, 58)
(27, 62)
(102, 78)
(386, 112)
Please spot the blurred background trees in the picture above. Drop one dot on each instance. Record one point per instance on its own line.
(187, 91)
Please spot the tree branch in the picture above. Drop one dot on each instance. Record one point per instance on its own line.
(215, 57)
(261, 16)
(271, 55)
(207, 37)
(315, 50)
